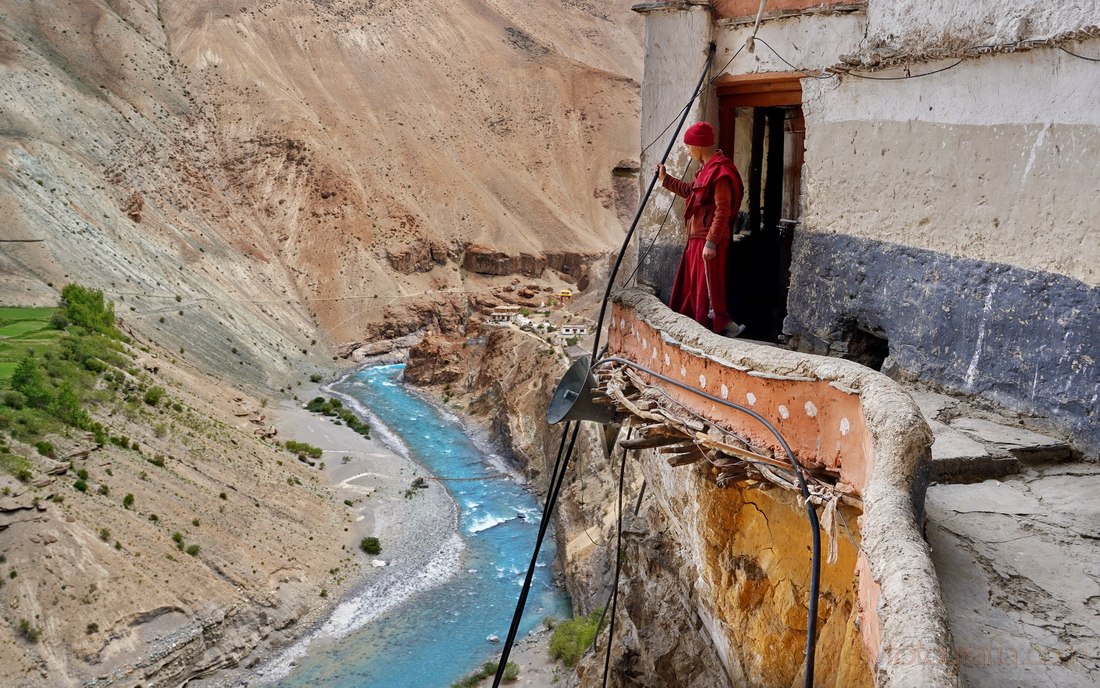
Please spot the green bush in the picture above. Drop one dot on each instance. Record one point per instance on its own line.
(192, 549)
(128, 501)
(87, 308)
(29, 380)
(571, 638)
(31, 633)
(153, 395)
(303, 448)
(81, 485)
(45, 449)
(511, 673)
(371, 545)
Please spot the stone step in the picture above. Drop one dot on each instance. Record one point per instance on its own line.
(957, 458)
(1029, 447)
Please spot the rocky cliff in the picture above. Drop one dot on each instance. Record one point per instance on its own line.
(296, 172)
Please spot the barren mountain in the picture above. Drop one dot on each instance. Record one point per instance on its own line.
(255, 186)
(264, 176)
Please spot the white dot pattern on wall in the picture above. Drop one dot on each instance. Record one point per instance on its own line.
(645, 343)
(725, 392)
(654, 354)
(811, 410)
(751, 398)
(622, 323)
(703, 381)
(683, 372)
(668, 361)
(783, 412)
(845, 426)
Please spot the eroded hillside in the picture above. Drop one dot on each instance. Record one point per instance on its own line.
(262, 177)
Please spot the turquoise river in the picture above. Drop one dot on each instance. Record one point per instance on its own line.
(439, 634)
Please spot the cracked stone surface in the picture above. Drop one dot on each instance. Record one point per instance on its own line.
(1019, 564)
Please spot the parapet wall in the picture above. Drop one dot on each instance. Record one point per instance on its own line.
(834, 414)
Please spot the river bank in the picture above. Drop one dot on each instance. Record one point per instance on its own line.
(417, 528)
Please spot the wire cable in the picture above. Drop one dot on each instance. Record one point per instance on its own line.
(776, 53)
(902, 78)
(688, 105)
(556, 480)
(642, 204)
(815, 571)
(1080, 57)
(618, 571)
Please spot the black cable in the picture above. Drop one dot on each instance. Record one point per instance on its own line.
(815, 572)
(903, 78)
(696, 95)
(1080, 57)
(641, 207)
(653, 242)
(560, 466)
(618, 570)
(776, 53)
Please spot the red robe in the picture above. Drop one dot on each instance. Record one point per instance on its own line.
(713, 197)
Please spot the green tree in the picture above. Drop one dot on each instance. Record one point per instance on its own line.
(28, 380)
(87, 308)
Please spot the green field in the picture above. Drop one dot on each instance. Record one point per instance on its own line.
(23, 330)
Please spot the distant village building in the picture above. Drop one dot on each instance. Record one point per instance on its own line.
(502, 315)
(573, 331)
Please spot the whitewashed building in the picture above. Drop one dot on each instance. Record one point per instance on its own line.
(920, 184)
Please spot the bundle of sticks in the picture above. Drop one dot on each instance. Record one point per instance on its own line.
(685, 438)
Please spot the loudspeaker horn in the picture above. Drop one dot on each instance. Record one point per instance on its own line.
(574, 399)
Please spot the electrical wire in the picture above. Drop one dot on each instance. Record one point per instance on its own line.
(641, 258)
(1080, 57)
(776, 53)
(641, 207)
(815, 571)
(901, 78)
(618, 570)
(556, 479)
(693, 97)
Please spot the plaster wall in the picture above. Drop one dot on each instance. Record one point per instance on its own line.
(679, 34)
(968, 162)
(899, 602)
(809, 42)
(918, 27)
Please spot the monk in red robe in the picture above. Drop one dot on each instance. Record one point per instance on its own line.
(713, 198)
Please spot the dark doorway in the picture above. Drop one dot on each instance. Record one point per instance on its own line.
(762, 128)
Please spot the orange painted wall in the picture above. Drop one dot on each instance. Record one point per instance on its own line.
(823, 425)
(748, 8)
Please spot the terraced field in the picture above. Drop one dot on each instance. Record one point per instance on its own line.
(23, 330)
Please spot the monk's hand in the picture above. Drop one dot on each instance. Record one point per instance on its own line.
(709, 252)
(661, 173)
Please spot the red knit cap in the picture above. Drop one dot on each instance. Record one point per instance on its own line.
(699, 134)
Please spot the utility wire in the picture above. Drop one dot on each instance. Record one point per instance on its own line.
(618, 570)
(693, 97)
(642, 204)
(906, 76)
(776, 53)
(556, 479)
(1080, 57)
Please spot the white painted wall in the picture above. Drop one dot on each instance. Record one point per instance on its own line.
(811, 43)
(921, 26)
(676, 44)
(993, 160)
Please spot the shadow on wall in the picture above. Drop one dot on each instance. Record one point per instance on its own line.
(1025, 339)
